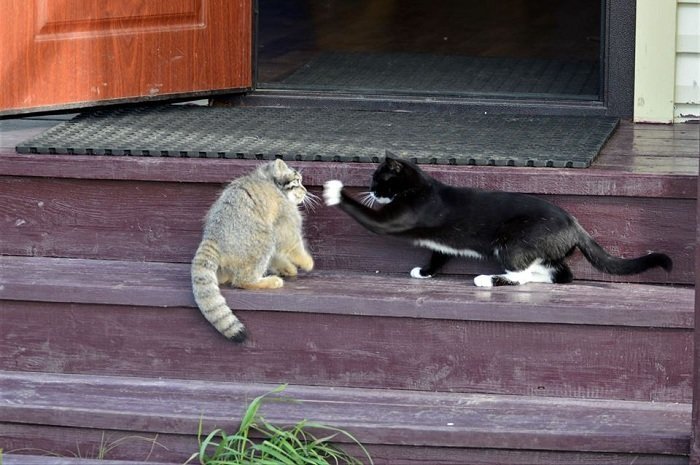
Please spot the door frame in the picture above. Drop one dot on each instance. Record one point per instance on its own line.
(616, 96)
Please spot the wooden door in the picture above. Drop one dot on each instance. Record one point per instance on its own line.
(76, 53)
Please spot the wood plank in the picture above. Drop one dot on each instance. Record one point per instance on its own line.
(654, 147)
(372, 416)
(695, 434)
(180, 447)
(619, 154)
(627, 129)
(618, 182)
(17, 459)
(330, 349)
(153, 284)
(650, 164)
(35, 444)
(628, 142)
(655, 50)
(134, 220)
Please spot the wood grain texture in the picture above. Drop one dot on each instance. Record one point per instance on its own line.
(631, 181)
(86, 51)
(27, 444)
(373, 417)
(19, 459)
(623, 168)
(162, 222)
(180, 447)
(383, 455)
(695, 434)
(335, 350)
(152, 284)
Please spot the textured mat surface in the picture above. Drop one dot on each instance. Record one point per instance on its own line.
(329, 135)
(405, 72)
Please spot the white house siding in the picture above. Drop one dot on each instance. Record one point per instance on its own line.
(687, 89)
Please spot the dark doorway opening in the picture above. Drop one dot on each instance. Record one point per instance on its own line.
(513, 49)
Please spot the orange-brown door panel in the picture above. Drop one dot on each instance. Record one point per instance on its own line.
(71, 53)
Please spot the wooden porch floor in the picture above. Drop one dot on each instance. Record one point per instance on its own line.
(594, 373)
(633, 148)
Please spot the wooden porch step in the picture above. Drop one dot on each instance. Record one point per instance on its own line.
(135, 208)
(466, 425)
(112, 282)
(19, 459)
(365, 330)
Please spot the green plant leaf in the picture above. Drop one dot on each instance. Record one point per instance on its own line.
(289, 445)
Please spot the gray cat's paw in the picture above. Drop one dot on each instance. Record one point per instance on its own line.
(331, 192)
(306, 263)
(287, 271)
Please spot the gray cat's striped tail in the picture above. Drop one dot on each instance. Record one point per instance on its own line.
(205, 287)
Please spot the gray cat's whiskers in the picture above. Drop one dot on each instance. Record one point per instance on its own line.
(311, 201)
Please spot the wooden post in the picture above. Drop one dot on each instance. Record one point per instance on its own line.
(695, 431)
(655, 61)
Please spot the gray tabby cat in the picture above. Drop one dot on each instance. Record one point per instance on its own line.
(253, 228)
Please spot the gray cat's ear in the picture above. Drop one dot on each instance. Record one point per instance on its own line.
(279, 167)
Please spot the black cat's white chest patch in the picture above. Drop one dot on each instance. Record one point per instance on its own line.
(446, 249)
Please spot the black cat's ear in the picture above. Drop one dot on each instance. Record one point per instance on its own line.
(393, 162)
(389, 154)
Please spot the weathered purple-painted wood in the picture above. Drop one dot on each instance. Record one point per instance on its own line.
(180, 447)
(129, 220)
(659, 131)
(356, 351)
(503, 353)
(682, 145)
(645, 164)
(628, 182)
(153, 284)
(629, 140)
(695, 436)
(16, 459)
(373, 417)
(25, 444)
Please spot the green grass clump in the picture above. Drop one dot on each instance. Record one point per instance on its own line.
(295, 445)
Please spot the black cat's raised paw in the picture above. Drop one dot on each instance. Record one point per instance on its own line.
(331, 192)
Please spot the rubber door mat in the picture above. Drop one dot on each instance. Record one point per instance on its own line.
(329, 135)
(447, 75)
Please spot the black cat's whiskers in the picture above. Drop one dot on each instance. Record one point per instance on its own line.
(367, 199)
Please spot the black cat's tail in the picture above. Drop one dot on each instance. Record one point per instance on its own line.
(607, 263)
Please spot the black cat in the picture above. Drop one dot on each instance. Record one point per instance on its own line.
(528, 236)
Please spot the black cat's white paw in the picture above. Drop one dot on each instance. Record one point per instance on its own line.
(331, 192)
(417, 273)
(483, 280)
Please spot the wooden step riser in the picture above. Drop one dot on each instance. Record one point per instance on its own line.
(563, 360)
(87, 443)
(161, 221)
(176, 448)
(484, 428)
